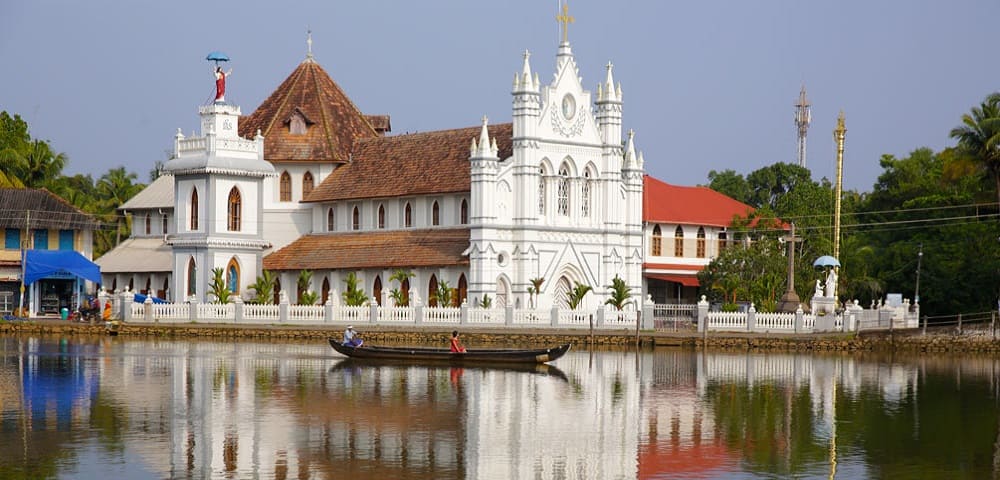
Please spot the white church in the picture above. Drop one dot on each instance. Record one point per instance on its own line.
(309, 182)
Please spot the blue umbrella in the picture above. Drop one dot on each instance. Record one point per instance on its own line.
(826, 261)
(217, 56)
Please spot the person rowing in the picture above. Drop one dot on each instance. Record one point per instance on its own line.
(351, 337)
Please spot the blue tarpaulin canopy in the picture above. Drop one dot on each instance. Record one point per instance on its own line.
(140, 298)
(39, 264)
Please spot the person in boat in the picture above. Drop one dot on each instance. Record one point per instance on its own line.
(456, 346)
(351, 338)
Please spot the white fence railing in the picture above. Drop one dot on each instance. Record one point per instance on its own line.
(261, 313)
(442, 315)
(306, 313)
(775, 321)
(395, 315)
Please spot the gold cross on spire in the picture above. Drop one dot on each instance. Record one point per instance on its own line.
(565, 19)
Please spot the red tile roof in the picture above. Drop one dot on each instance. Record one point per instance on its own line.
(378, 249)
(334, 122)
(666, 203)
(412, 164)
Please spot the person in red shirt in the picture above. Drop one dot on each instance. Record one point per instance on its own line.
(456, 347)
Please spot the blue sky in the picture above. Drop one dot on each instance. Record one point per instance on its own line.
(708, 84)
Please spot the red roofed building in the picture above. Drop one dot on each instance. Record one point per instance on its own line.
(684, 228)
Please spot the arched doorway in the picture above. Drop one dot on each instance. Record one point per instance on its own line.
(463, 290)
(377, 290)
(432, 288)
(233, 276)
(503, 292)
(277, 291)
(560, 294)
(405, 288)
(326, 289)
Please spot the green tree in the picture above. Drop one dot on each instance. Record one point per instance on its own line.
(218, 288)
(113, 189)
(443, 294)
(534, 289)
(620, 293)
(731, 184)
(979, 137)
(400, 297)
(305, 295)
(486, 302)
(263, 288)
(353, 295)
(575, 296)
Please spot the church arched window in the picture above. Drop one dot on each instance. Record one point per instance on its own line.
(407, 216)
(235, 212)
(657, 243)
(541, 191)
(435, 214)
(149, 223)
(585, 194)
(356, 219)
(700, 247)
(194, 209)
(463, 290)
(562, 192)
(679, 242)
(330, 219)
(377, 290)
(192, 277)
(326, 290)
(233, 276)
(463, 216)
(381, 216)
(307, 184)
(285, 187)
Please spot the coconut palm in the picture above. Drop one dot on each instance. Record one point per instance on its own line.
(575, 296)
(353, 296)
(979, 137)
(218, 288)
(443, 294)
(535, 289)
(35, 164)
(620, 293)
(263, 288)
(113, 189)
(305, 295)
(400, 298)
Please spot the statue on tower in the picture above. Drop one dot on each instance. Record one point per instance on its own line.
(220, 76)
(220, 84)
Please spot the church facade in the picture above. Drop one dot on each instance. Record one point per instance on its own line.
(513, 213)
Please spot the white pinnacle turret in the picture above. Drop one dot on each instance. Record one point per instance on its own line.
(631, 161)
(484, 148)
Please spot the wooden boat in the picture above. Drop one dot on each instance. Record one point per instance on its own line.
(543, 369)
(444, 355)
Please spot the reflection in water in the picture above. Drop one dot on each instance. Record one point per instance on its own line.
(178, 409)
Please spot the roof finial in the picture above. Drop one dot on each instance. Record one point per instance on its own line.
(565, 19)
(309, 43)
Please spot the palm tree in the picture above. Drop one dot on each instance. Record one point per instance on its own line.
(353, 296)
(620, 293)
(305, 296)
(575, 296)
(34, 164)
(113, 189)
(979, 137)
(218, 286)
(263, 288)
(443, 294)
(535, 289)
(400, 298)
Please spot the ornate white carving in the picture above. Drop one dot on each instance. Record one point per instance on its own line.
(571, 129)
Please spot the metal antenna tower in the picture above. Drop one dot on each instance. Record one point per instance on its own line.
(802, 119)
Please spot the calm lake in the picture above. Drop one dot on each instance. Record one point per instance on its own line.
(124, 408)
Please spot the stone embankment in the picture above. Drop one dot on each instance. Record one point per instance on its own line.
(903, 341)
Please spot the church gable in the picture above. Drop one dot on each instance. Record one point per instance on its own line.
(566, 112)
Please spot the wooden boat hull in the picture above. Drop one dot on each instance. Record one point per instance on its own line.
(543, 369)
(441, 355)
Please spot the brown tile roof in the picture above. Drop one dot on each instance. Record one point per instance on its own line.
(381, 123)
(378, 249)
(334, 121)
(412, 164)
(47, 210)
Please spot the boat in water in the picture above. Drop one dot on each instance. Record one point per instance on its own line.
(444, 355)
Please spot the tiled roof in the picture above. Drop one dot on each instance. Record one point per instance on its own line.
(143, 254)
(47, 211)
(411, 164)
(379, 249)
(666, 203)
(159, 194)
(334, 122)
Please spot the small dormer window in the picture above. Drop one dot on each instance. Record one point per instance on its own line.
(297, 124)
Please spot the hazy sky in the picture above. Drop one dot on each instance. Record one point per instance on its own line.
(708, 84)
